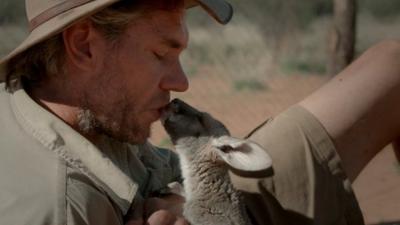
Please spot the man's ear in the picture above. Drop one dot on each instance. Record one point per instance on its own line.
(242, 155)
(82, 45)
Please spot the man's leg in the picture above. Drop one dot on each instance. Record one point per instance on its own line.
(355, 115)
(307, 185)
(360, 107)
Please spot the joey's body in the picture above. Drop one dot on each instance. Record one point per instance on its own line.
(210, 196)
(205, 148)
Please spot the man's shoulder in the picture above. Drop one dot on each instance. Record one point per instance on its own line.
(30, 175)
(30, 187)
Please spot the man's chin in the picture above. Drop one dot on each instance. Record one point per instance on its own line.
(139, 136)
(132, 137)
(135, 138)
(138, 140)
(134, 134)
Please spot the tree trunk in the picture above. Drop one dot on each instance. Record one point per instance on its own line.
(342, 37)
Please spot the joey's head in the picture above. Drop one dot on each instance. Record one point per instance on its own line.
(184, 123)
(197, 134)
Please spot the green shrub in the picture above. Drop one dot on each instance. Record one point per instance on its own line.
(382, 8)
(292, 65)
(12, 11)
(10, 36)
(249, 85)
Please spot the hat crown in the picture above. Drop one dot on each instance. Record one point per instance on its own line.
(36, 7)
(49, 17)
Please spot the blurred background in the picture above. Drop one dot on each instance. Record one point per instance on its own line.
(273, 54)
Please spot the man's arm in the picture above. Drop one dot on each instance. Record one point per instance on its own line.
(360, 107)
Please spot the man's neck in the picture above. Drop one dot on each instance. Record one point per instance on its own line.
(65, 105)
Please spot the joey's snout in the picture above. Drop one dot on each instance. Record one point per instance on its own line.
(178, 109)
(171, 109)
(181, 120)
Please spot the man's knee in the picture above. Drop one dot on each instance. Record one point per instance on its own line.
(388, 48)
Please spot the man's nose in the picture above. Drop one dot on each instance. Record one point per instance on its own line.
(175, 80)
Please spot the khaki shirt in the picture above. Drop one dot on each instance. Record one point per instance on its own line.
(50, 174)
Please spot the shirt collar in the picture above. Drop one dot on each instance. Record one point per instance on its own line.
(57, 136)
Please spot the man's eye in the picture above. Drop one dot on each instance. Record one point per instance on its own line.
(158, 56)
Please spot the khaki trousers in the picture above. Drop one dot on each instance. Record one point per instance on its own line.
(306, 184)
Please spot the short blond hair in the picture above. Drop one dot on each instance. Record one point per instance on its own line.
(47, 58)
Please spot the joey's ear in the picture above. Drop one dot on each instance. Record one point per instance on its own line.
(242, 155)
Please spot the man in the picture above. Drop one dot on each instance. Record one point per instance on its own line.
(84, 87)
(90, 78)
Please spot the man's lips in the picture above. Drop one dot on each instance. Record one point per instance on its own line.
(164, 113)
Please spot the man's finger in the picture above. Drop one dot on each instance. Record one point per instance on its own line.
(162, 217)
(172, 203)
(181, 221)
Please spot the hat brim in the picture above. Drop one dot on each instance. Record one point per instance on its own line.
(52, 27)
(219, 9)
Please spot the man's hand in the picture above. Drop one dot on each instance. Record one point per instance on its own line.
(164, 217)
(160, 217)
(160, 211)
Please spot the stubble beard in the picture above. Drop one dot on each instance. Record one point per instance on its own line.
(116, 127)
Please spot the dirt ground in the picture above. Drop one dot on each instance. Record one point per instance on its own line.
(377, 188)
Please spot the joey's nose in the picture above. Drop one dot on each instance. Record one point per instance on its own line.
(175, 105)
(180, 107)
(172, 108)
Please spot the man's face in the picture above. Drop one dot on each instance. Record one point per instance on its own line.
(138, 73)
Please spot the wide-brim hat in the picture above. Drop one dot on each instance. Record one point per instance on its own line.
(49, 17)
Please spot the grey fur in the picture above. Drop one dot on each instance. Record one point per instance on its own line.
(210, 196)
